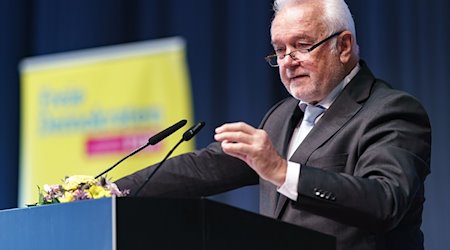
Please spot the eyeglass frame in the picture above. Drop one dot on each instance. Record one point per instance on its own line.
(303, 51)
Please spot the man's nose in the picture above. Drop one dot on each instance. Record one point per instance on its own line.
(290, 60)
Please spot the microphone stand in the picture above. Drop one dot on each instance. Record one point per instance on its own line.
(117, 163)
(191, 132)
(152, 141)
(157, 167)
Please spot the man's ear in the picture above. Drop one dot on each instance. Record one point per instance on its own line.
(345, 46)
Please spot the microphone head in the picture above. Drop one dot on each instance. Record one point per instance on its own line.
(193, 131)
(166, 132)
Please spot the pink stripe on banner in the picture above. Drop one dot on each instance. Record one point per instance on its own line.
(117, 144)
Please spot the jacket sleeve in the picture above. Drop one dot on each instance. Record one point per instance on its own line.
(201, 173)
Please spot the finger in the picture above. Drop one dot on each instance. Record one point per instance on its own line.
(236, 126)
(236, 148)
(235, 154)
(234, 137)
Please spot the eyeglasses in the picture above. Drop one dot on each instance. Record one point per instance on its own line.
(295, 55)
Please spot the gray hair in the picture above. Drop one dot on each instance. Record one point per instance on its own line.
(336, 17)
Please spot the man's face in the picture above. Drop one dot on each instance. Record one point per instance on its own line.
(314, 75)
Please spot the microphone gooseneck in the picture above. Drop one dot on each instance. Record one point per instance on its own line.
(191, 132)
(152, 141)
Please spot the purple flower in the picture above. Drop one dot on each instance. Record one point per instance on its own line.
(81, 195)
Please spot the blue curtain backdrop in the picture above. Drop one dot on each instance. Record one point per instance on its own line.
(405, 42)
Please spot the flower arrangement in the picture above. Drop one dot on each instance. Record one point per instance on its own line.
(79, 187)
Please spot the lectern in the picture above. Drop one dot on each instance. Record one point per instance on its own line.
(150, 223)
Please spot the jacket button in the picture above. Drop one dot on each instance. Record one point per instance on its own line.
(317, 191)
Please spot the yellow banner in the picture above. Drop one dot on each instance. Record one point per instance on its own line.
(83, 111)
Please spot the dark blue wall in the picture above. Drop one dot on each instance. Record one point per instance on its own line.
(405, 42)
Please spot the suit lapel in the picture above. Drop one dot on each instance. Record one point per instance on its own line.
(281, 136)
(333, 120)
(341, 111)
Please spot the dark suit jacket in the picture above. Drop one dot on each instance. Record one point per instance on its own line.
(363, 169)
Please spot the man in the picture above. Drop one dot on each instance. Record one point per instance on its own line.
(354, 170)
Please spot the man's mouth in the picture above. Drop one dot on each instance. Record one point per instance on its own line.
(297, 77)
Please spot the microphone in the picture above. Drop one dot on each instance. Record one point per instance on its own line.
(166, 132)
(191, 132)
(151, 141)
